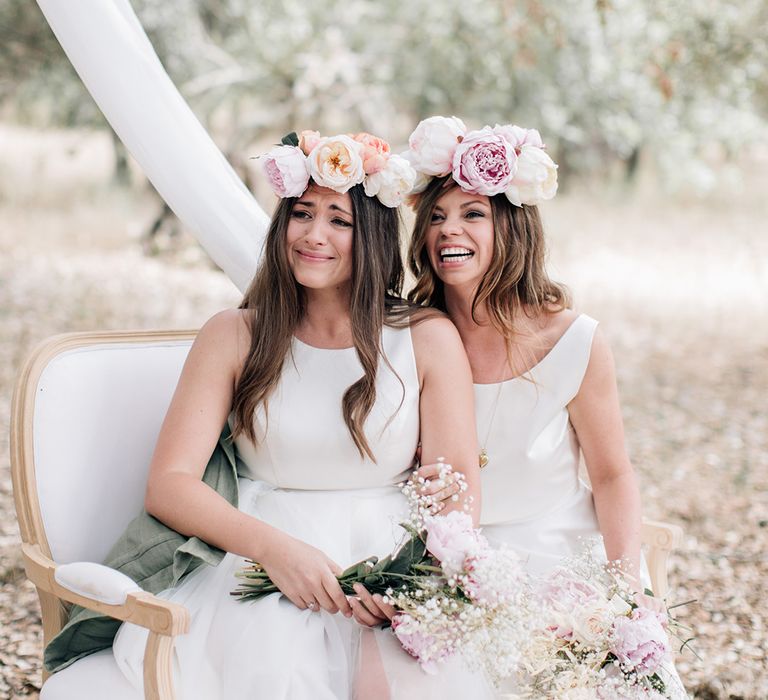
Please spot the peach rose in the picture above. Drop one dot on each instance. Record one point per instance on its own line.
(308, 140)
(375, 152)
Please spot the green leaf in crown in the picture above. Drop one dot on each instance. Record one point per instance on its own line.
(291, 139)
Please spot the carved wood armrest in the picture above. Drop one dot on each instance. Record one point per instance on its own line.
(659, 539)
(163, 619)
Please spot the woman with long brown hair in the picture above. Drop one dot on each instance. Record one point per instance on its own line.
(544, 381)
(328, 380)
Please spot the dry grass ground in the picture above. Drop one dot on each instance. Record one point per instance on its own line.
(681, 289)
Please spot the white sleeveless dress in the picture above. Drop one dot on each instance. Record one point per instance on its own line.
(306, 477)
(533, 498)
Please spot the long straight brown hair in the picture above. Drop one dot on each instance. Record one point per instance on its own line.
(516, 280)
(277, 303)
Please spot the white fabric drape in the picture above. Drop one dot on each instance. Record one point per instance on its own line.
(114, 58)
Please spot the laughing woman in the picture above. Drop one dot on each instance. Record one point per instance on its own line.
(544, 380)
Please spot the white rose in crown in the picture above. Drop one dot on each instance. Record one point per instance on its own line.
(336, 163)
(433, 143)
(536, 177)
(393, 183)
(422, 179)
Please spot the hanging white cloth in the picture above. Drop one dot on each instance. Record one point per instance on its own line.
(109, 49)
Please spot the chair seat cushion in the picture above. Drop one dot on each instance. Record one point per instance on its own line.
(93, 677)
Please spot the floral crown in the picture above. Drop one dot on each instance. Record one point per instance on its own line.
(339, 163)
(486, 161)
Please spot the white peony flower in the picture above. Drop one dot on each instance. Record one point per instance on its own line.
(518, 136)
(433, 143)
(536, 178)
(422, 179)
(335, 163)
(393, 183)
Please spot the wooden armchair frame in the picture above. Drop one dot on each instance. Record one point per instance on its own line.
(163, 619)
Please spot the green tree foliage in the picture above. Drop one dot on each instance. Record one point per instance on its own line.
(604, 80)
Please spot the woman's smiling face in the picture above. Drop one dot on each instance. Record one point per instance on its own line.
(319, 239)
(459, 240)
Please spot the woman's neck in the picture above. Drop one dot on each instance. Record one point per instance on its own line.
(474, 328)
(327, 322)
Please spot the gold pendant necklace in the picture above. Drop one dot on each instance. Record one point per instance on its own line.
(483, 458)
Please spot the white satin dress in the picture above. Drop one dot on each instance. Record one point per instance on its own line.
(306, 477)
(533, 498)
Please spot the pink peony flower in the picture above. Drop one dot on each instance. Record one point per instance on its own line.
(433, 144)
(535, 180)
(639, 641)
(391, 184)
(419, 645)
(335, 163)
(308, 140)
(286, 169)
(451, 539)
(375, 152)
(566, 591)
(484, 162)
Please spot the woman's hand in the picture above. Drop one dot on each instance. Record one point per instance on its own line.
(370, 610)
(304, 575)
(441, 489)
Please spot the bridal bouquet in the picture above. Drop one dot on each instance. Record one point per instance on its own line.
(592, 640)
(452, 592)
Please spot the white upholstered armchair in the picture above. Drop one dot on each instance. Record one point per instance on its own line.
(86, 413)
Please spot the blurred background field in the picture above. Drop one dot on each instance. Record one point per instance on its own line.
(657, 115)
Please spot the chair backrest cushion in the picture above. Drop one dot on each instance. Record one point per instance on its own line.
(98, 411)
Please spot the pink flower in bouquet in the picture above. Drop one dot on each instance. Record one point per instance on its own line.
(335, 163)
(484, 163)
(639, 641)
(477, 584)
(451, 539)
(433, 144)
(419, 645)
(374, 153)
(286, 170)
(308, 140)
(566, 591)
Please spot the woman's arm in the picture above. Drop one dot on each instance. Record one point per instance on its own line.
(596, 416)
(177, 496)
(447, 415)
(447, 406)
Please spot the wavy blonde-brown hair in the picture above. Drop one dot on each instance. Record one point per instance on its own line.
(276, 302)
(516, 280)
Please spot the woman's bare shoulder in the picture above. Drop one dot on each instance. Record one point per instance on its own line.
(226, 334)
(437, 345)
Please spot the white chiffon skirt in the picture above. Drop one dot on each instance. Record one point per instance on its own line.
(273, 650)
(544, 541)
